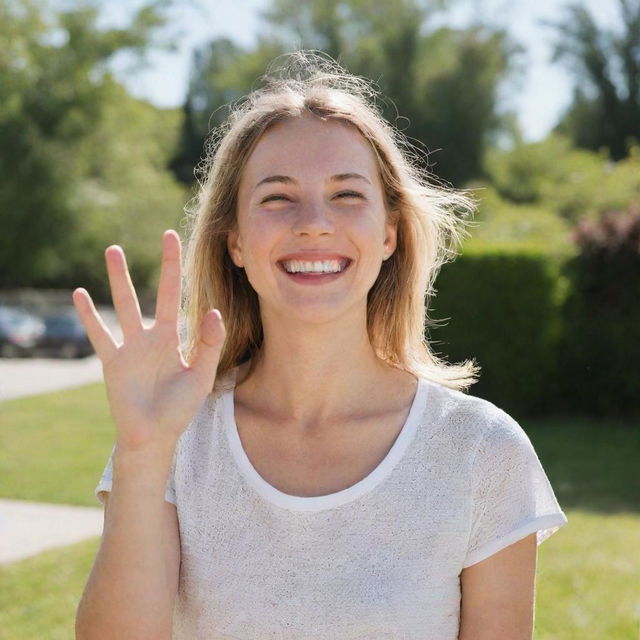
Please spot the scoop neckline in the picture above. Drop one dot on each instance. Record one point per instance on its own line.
(331, 500)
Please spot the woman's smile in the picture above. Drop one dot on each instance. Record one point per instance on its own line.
(313, 268)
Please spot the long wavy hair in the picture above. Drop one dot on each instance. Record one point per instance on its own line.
(431, 220)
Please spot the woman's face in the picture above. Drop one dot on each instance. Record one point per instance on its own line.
(310, 197)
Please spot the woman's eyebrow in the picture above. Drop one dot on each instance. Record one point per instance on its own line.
(268, 179)
(289, 180)
(349, 176)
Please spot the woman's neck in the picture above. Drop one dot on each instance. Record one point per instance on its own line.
(315, 376)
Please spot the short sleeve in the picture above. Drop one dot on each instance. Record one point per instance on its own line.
(107, 476)
(512, 496)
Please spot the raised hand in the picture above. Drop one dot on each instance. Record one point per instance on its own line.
(153, 392)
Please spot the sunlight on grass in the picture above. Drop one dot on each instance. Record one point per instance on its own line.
(54, 447)
(39, 596)
(588, 579)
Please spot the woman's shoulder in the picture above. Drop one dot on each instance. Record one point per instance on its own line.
(466, 413)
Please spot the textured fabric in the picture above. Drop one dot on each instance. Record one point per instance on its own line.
(381, 559)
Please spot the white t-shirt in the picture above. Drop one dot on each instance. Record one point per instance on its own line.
(380, 559)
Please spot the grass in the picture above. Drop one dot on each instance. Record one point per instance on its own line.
(588, 578)
(39, 596)
(592, 465)
(53, 448)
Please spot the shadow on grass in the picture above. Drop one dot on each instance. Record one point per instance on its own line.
(591, 464)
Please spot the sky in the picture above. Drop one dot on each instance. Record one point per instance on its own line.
(539, 98)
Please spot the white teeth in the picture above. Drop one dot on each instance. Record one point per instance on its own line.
(319, 266)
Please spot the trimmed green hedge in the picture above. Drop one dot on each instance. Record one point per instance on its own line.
(503, 309)
(601, 342)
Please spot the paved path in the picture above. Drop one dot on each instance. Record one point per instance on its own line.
(28, 528)
(32, 376)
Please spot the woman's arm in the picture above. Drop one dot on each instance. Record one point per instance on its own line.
(153, 394)
(134, 581)
(498, 594)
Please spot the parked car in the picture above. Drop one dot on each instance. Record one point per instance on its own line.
(64, 337)
(19, 332)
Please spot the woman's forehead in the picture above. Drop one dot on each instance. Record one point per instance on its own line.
(310, 145)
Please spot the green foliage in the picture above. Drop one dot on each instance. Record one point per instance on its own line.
(571, 183)
(455, 109)
(127, 195)
(441, 83)
(523, 174)
(576, 307)
(222, 72)
(501, 224)
(602, 314)
(606, 108)
(77, 171)
(502, 309)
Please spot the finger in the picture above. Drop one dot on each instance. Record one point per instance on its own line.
(123, 294)
(168, 299)
(206, 355)
(99, 335)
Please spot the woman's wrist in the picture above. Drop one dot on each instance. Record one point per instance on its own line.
(154, 455)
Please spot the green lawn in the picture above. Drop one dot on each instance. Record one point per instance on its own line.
(53, 448)
(39, 596)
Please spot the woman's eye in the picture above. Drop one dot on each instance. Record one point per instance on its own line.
(275, 196)
(349, 194)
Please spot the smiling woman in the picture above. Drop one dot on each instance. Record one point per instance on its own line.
(314, 87)
(310, 468)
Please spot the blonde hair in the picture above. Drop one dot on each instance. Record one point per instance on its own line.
(430, 218)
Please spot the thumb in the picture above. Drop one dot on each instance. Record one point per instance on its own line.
(207, 352)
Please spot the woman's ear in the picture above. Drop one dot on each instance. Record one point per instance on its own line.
(390, 240)
(234, 248)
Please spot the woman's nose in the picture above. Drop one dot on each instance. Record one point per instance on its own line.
(313, 219)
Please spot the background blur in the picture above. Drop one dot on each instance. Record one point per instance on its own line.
(535, 106)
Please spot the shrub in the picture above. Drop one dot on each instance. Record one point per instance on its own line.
(601, 316)
(503, 310)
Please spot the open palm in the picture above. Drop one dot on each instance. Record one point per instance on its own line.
(153, 392)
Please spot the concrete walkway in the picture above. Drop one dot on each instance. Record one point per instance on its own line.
(20, 377)
(28, 528)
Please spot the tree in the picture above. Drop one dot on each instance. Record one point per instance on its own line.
(441, 83)
(221, 73)
(54, 87)
(605, 111)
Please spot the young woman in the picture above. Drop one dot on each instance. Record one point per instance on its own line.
(309, 469)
